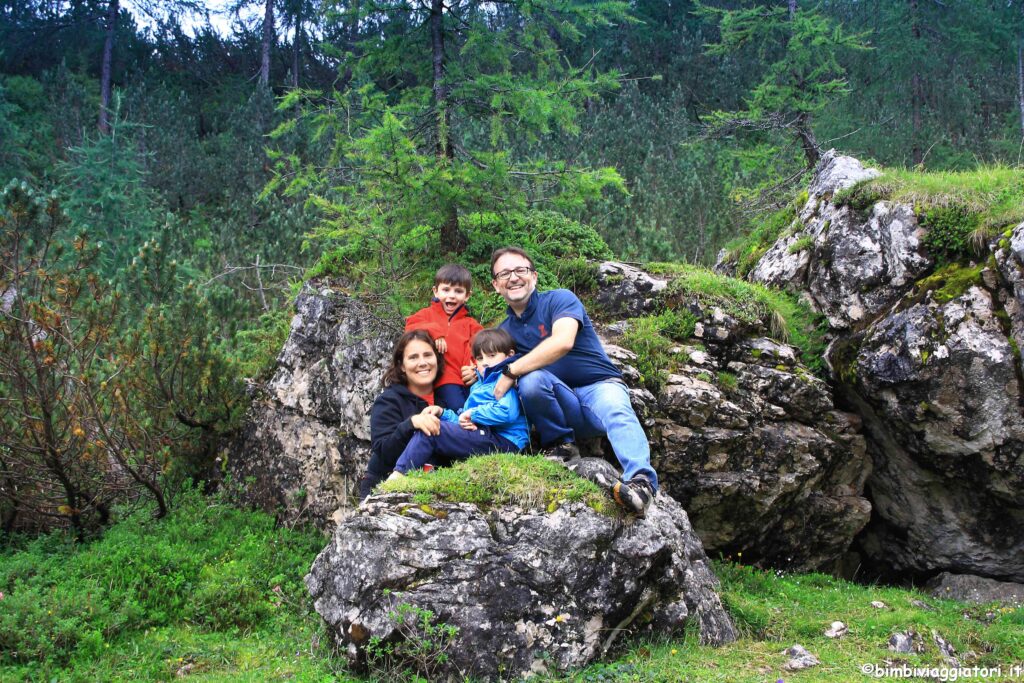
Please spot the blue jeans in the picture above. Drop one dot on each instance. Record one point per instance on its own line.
(453, 443)
(563, 414)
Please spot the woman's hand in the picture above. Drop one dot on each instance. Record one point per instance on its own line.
(441, 345)
(432, 410)
(468, 375)
(428, 424)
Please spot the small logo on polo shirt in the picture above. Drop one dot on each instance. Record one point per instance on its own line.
(543, 330)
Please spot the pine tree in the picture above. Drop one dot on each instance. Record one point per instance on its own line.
(442, 90)
(803, 74)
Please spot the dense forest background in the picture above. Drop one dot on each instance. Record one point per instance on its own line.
(174, 169)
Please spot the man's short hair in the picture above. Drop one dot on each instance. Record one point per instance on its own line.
(494, 340)
(454, 274)
(501, 251)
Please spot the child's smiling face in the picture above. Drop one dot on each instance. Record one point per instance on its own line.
(489, 360)
(451, 296)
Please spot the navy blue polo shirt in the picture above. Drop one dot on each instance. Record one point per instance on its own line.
(587, 362)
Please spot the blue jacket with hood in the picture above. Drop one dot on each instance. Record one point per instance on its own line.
(504, 417)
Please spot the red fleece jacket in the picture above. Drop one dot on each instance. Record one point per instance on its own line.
(458, 332)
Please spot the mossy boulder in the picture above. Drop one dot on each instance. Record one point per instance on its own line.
(511, 589)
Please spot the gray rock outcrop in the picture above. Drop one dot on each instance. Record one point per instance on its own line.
(976, 589)
(935, 378)
(305, 442)
(856, 266)
(768, 466)
(940, 390)
(529, 591)
(749, 441)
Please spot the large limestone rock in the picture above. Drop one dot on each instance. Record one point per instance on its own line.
(529, 591)
(941, 394)
(976, 589)
(857, 265)
(1009, 256)
(769, 468)
(936, 380)
(766, 465)
(305, 442)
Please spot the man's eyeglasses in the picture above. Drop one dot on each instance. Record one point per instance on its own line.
(520, 272)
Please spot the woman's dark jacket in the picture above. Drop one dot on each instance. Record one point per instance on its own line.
(390, 431)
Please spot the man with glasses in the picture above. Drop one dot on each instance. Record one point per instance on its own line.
(567, 384)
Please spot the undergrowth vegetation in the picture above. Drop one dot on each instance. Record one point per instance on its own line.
(763, 231)
(500, 479)
(153, 596)
(772, 611)
(781, 314)
(403, 271)
(653, 338)
(215, 594)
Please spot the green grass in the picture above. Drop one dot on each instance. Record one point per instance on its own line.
(503, 478)
(962, 210)
(801, 244)
(217, 593)
(652, 337)
(949, 282)
(764, 230)
(786, 317)
(210, 586)
(774, 611)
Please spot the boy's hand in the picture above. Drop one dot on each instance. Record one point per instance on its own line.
(468, 375)
(428, 424)
(466, 420)
(441, 345)
(432, 410)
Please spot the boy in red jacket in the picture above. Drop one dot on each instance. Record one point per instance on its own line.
(449, 323)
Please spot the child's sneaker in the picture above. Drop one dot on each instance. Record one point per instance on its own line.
(634, 495)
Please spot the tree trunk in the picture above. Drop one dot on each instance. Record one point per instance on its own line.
(916, 88)
(268, 40)
(297, 47)
(108, 57)
(452, 238)
(792, 10)
(439, 87)
(1020, 81)
(351, 34)
(809, 143)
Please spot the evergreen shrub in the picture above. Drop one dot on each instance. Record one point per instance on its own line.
(560, 248)
(949, 231)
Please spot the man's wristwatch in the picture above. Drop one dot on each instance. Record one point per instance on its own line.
(507, 371)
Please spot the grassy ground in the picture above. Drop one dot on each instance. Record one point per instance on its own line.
(502, 479)
(994, 193)
(215, 594)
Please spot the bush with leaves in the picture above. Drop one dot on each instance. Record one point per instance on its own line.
(70, 447)
(100, 401)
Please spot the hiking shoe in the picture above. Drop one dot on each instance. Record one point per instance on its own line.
(564, 452)
(634, 496)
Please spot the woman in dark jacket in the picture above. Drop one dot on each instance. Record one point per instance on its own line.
(398, 412)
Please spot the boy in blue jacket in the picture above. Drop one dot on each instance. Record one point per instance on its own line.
(485, 424)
